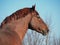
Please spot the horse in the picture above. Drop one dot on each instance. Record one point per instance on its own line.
(14, 27)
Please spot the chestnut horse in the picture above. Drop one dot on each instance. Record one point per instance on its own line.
(14, 27)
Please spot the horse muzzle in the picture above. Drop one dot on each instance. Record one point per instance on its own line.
(45, 32)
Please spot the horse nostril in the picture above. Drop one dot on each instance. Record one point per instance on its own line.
(47, 30)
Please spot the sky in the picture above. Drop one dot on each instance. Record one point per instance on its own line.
(49, 10)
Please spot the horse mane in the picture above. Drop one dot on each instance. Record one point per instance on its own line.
(16, 15)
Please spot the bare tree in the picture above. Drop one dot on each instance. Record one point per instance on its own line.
(33, 38)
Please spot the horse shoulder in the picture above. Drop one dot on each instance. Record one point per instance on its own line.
(9, 38)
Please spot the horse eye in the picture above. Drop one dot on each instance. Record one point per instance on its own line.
(38, 16)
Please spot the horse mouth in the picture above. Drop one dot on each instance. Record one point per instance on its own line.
(45, 32)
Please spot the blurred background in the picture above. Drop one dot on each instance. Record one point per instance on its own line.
(49, 11)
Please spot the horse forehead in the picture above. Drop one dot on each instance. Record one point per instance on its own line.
(36, 12)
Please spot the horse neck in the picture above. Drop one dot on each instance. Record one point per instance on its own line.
(20, 26)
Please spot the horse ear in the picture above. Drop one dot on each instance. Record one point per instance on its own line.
(33, 7)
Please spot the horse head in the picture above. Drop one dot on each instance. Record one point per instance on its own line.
(37, 23)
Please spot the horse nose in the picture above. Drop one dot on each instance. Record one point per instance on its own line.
(47, 30)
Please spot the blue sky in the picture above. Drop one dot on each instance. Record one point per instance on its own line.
(46, 9)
